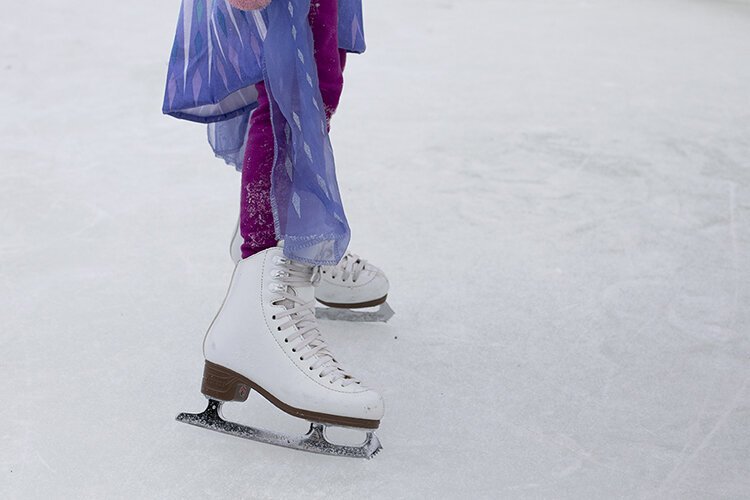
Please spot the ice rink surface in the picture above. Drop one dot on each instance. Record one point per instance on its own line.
(558, 190)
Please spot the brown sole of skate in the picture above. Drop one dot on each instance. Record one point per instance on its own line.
(359, 305)
(224, 384)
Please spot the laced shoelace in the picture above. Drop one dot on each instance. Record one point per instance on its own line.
(310, 342)
(351, 265)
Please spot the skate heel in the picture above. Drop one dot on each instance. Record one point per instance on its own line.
(223, 384)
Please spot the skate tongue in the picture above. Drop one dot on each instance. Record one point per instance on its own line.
(351, 264)
(306, 293)
(300, 295)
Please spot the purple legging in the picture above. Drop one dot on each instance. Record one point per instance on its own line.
(256, 215)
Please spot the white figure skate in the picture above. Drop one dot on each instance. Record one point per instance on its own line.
(353, 290)
(266, 338)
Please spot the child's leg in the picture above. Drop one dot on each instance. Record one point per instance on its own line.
(256, 215)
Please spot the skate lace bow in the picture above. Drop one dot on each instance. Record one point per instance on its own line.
(351, 265)
(309, 340)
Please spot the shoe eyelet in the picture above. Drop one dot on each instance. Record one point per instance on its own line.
(273, 317)
(286, 341)
(310, 367)
(278, 328)
(294, 350)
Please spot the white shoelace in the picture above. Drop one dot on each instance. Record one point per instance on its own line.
(351, 265)
(310, 341)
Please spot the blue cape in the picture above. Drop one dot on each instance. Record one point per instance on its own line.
(218, 56)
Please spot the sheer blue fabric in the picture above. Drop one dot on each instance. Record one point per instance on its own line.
(217, 57)
(219, 54)
(304, 194)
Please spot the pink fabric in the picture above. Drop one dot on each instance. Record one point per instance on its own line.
(256, 215)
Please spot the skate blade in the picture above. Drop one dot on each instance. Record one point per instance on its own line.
(314, 441)
(381, 315)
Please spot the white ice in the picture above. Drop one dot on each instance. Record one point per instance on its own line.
(559, 191)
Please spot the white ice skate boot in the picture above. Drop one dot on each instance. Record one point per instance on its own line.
(266, 338)
(353, 290)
